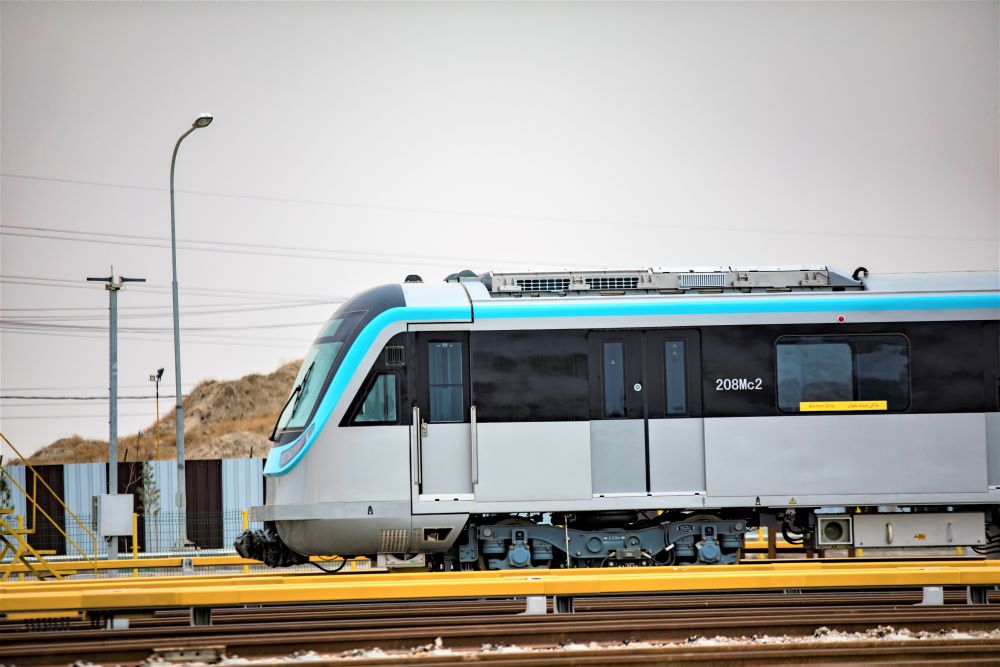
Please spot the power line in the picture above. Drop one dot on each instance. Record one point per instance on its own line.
(31, 324)
(361, 255)
(77, 398)
(150, 339)
(86, 416)
(89, 387)
(253, 249)
(526, 218)
(77, 283)
(189, 311)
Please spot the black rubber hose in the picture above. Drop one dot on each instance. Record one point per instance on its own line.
(343, 563)
(789, 538)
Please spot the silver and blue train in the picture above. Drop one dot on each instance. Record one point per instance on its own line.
(595, 418)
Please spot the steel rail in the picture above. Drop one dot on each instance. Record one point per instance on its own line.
(252, 640)
(929, 652)
(971, 617)
(689, 603)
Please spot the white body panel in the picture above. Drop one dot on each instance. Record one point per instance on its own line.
(865, 455)
(446, 455)
(534, 461)
(677, 456)
(618, 457)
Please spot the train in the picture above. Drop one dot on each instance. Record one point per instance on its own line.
(511, 420)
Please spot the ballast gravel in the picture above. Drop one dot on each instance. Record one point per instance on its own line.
(437, 648)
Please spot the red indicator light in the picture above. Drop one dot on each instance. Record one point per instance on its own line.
(841, 319)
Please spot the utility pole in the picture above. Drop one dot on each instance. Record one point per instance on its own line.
(113, 286)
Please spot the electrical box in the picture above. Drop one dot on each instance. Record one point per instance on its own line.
(918, 529)
(113, 514)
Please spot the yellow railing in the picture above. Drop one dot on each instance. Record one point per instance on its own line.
(32, 498)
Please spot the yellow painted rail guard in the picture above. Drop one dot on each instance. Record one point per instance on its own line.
(230, 590)
(155, 562)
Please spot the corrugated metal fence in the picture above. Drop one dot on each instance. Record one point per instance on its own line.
(218, 492)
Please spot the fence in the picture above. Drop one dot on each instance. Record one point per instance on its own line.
(161, 533)
(217, 492)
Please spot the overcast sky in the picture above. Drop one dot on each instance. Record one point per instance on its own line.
(356, 143)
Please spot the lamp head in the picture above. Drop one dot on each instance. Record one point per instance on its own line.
(159, 373)
(204, 120)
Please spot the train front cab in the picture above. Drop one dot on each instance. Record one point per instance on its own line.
(339, 475)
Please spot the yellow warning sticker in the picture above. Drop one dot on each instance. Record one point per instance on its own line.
(842, 406)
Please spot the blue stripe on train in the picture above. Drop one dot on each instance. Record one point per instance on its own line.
(347, 368)
(722, 305)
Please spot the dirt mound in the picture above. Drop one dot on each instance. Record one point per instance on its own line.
(73, 449)
(238, 445)
(222, 419)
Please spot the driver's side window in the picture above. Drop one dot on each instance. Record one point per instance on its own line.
(379, 406)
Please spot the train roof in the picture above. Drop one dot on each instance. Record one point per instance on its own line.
(722, 279)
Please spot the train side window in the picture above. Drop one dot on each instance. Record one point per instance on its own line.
(445, 381)
(379, 405)
(614, 378)
(837, 373)
(675, 377)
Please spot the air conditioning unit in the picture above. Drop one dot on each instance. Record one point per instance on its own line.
(834, 531)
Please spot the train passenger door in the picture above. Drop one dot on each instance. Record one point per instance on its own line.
(674, 427)
(645, 386)
(442, 426)
(617, 413)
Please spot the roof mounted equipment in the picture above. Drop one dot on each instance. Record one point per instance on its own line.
(672, 281)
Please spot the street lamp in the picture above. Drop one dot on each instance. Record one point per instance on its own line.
(155, 377)
(204, 120)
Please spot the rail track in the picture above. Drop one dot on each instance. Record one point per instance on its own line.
(269, 632)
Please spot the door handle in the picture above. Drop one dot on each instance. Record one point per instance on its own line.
(474, 441)
(418, 431)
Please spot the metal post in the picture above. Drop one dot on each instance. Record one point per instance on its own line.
(157, 422)
(202, 121)
(113, 286)
(135, 542)
(155, 377)
(246, 526)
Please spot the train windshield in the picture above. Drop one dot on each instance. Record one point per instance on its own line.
(317, 368)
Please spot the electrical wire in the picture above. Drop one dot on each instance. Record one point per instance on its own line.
(269, 249)
(300, 345)
(525, 218)
(14, 397)
(46, 326)
(62, 416)
(190, 311)
(154, 288)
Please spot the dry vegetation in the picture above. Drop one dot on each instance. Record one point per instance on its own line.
(229, 419)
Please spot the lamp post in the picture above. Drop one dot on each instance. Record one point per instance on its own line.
(155, 377)
(204, 120)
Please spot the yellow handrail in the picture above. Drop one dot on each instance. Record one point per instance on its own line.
(54, 523)
(55, 495)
